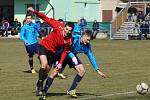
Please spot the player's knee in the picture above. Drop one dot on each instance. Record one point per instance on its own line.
(81, 72)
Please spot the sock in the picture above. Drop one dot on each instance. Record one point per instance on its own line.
(41, 77)
(76, 81)
(49, 82)
(31, 63)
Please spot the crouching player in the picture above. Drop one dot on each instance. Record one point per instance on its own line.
(81, 44)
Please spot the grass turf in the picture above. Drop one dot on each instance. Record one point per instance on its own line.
(125, 62)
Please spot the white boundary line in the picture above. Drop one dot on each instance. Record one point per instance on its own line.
(107, 95)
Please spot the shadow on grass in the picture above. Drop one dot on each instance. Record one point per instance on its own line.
(28, 71)
(65, 94)
(78, 94)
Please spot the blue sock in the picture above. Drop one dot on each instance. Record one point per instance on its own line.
(76, 81)
(49, 82)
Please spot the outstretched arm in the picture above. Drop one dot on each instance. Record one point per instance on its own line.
(94, 63)
(50, 21)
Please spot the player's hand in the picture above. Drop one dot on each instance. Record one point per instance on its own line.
(30, 9)
(26, 42)
(101, 73)
(59, 66)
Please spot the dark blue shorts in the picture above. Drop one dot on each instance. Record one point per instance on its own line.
(32, 49)
(68, 61)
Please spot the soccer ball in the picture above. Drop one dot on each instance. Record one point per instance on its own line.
(142, 88)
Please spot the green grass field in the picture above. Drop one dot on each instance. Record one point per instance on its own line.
(126, 63)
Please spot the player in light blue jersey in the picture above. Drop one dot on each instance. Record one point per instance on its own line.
(29, 36)
(81, 44)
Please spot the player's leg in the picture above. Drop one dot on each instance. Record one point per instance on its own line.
(80, 69)
(80, 73)
(52, 75)
(60, 74)
(36, 51)
(30, 51)
(43, 69)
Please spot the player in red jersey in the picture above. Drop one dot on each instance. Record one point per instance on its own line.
(61, 36)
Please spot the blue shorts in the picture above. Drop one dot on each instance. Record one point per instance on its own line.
(70, 62)
(32, 49)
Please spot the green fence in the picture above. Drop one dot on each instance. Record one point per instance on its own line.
(104, 26)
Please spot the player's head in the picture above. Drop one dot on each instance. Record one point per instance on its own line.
(29, 18)
(69, 26)
(86, 37)
(61, 20)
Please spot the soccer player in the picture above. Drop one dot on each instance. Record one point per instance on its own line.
(81, 44)
(61, 36)
(29, 35)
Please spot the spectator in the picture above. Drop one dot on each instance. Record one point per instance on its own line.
(144, 28)
(44, 29)
(140, 17)
(132, 13)
(5, 27)
(95, 28)
(148, 9)
(147, 18)
(16, 27)
(38, 22)
(24, 22)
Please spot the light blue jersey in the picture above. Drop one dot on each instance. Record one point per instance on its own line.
(78, 47)
(29, 32)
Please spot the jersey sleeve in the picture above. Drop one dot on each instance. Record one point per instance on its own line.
(22, 34)
(64, 54)
(92, 59)
(66, 50)
(71, 55)
(50, 21)
(37, 27)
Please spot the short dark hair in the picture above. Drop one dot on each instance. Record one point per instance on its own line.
(29, 14)
(61, 20)
(70, 24)
(88, 33)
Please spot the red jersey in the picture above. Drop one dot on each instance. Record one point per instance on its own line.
(55, 39)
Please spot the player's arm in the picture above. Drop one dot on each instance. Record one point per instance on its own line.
(37, 27)
(50, 21)
(63, 56)
(94, 63)
(22, 35)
